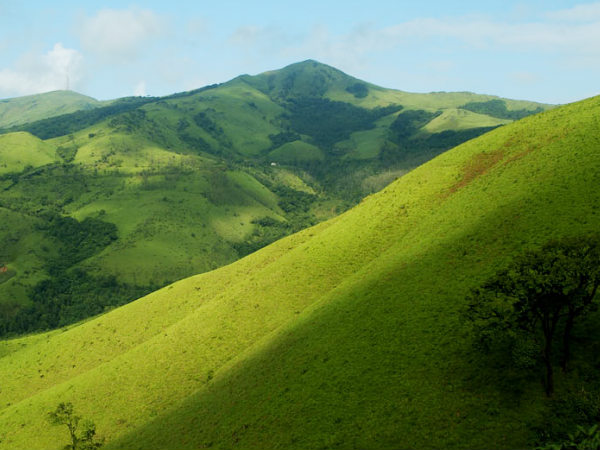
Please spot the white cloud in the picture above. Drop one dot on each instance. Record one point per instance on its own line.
(318, 43)
(120, 35)
(140, 89)
(574, 38)
(353, 50)
(579, 40)
(347, 51)
(59, 68)
(580, 13)
(562, 43)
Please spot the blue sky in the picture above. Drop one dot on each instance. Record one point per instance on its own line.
(545, 51)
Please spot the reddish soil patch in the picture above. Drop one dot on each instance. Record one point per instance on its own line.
(518, 156)
(477, 166)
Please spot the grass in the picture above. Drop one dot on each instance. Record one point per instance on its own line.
(24, 249)
(289, 178)
(364, 145)
(379, 96)
(347, 334)
(296, 151)
(461, 119)
(22, 150)
(21, 110)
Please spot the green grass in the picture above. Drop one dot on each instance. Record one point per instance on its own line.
(379, 96)
(21, 150)
(24, 249)
(347, 334)
(175, 225)
(289, 178)
(296, 151)
(21, 110)
(461, 119)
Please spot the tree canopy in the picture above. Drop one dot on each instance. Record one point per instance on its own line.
(82, 433)
(541, 295)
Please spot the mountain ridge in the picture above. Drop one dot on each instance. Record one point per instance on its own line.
(290, 71)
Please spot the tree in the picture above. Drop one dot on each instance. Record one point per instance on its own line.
(582, 439)
(542, 294)
(86, 438)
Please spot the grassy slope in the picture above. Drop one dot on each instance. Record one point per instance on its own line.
(296, 151)
(461, 119)
(379, 96)
(20, 150)
(22, 246)
(20, 110)
(177, 214)
(344, 335)
(24, 249)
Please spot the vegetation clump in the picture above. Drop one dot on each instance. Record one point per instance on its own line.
(582, 439)
(359, 90)
(328, 122)
(82, 433)
(538, 299)
(497, 108)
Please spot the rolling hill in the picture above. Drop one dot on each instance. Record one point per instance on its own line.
(21, 110)
(183, 184)
(348, 334)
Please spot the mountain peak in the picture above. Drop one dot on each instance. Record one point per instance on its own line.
(309, 78)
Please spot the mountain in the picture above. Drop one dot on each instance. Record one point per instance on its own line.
(21, 110)
(133, 195)
(348, 334)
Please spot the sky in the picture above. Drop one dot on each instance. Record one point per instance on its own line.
(546, 51)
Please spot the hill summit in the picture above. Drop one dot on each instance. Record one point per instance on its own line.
(304, 79)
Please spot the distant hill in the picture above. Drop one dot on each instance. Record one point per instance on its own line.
(346, 335)
(21, 110)
(152, 190)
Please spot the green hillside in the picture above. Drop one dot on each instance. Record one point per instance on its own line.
(346, 335)
(157, 217)
(22, 150)
(21, 110)
(183, 184)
